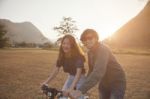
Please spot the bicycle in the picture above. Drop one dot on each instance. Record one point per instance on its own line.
(53, 93)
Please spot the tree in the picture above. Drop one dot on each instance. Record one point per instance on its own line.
(3, 39)
(47, 45)
(67, 26)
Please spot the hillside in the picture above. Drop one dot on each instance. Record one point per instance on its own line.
(135, 33)
(23, 32)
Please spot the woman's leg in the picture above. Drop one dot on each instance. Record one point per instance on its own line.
(68, 82)
(80, 82)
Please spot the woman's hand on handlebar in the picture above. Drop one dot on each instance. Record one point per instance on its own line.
(43, 84)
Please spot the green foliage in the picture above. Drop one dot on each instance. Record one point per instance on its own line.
(3, 39)
(47, 45)
(25, 45)
(67, 26)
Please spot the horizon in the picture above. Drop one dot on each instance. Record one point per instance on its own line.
(104, 16)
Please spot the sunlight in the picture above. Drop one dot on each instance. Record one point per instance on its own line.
(106, 32)
(105, 14)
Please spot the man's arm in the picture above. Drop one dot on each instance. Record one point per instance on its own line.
(98, 72)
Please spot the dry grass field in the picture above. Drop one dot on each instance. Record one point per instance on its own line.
(22, 71)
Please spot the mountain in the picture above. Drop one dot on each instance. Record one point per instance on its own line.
(135, 33)
(23, 32)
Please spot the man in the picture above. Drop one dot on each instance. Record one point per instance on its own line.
(103, 69)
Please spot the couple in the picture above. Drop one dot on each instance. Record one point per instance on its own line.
(103, 68)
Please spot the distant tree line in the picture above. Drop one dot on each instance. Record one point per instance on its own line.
(32, 45)
(3, 40)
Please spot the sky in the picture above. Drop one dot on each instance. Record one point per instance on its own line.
(105, 16)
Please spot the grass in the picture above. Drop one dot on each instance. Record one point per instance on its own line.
(132, 51)
(22, 71)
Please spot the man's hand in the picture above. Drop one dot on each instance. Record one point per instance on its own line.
(75, 94)
(66, 93)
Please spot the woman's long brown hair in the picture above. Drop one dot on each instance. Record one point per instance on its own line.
(76, 51)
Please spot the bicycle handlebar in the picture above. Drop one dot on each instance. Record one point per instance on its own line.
(53, 92)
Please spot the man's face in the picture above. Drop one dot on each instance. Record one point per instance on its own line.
(89, 41)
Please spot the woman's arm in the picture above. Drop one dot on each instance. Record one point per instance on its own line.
(74, 83)
(52, 75)
(76, 79)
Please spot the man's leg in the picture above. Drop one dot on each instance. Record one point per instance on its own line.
(118, 91)
(104, 93)
(117, 94)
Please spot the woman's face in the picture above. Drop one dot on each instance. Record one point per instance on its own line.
(66, 45)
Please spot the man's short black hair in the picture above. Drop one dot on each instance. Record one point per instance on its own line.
(89, 31)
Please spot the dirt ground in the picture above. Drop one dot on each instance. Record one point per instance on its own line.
(22, 71)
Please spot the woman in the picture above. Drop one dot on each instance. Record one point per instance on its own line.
(72, 60)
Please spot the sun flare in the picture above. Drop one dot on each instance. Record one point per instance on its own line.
(105, 32)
